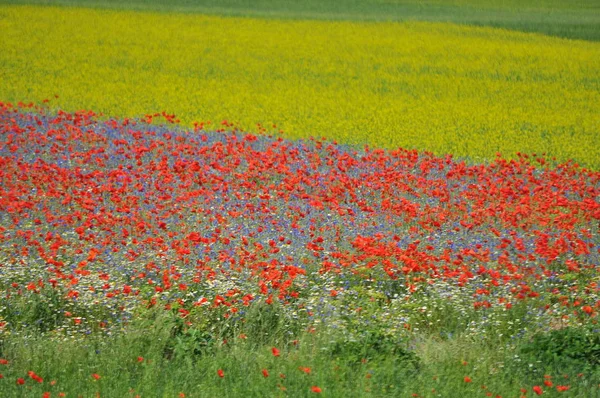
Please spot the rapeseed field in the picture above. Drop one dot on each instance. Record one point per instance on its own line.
(469, 91)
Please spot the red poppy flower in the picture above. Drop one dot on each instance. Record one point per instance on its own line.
(587, 309)
(315, 389)
(221, 373)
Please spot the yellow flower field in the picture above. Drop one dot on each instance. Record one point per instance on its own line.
(445, 88)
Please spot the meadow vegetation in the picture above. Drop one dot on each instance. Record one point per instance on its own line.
(169, 227)
(139, 258)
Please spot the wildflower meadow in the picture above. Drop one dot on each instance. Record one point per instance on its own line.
(338, 199)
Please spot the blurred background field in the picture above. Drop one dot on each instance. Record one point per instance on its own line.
(447, 88)
(576, 19)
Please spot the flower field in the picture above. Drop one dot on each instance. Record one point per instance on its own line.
(104, 221)
(469, 91)
(569, 19)
(292, 199)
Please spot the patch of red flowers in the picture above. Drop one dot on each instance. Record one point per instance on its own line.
(184, 208)
(106, 192)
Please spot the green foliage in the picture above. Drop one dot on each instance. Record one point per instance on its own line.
(49, 310)
(265, 324)
(568, 349)
(189, 342)
(376, 364)
(374, 345)
(39, 312)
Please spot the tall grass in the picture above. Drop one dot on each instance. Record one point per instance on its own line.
(155, 357)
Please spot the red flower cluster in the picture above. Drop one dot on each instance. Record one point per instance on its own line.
(120, 210)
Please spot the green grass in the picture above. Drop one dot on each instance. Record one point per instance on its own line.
(570, 19)
(138, 362)
(159, 354)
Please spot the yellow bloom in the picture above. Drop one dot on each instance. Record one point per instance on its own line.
(441, 87)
